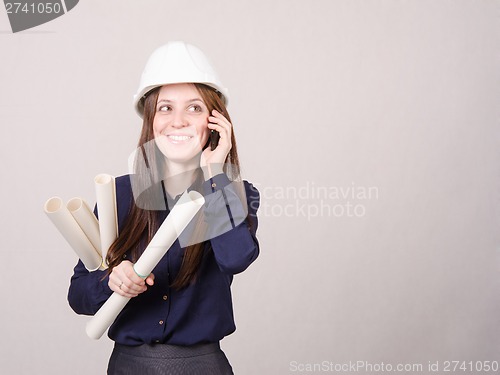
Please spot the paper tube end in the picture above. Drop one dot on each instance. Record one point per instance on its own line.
(74, 204)
(52, 205)
(103, 179)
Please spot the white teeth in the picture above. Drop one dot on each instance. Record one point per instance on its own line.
(179, 137)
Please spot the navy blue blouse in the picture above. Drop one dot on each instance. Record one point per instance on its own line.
(199, 313)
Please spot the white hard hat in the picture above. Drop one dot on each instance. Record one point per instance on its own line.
(177, 62)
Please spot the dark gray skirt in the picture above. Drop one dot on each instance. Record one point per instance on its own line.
(203, 359)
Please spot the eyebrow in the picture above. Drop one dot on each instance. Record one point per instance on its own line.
(173, 101)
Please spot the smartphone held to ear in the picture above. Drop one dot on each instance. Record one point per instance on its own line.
(214, 139)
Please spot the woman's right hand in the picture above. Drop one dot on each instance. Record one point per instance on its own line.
(124, 281)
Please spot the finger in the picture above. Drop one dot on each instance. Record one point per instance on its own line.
(129, 293)
(220, 120)
(116, 281)
(218, 114)
(150, 280)
(130, 286)
(126, 294)
(218, 127)
(120, 289)
(114, 285)
(224, 130)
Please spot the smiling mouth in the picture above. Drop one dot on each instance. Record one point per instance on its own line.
(179, 138)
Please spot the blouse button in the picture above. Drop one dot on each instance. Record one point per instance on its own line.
(160, 322)
(165, 298)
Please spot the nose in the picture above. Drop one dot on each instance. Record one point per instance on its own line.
(179, 120)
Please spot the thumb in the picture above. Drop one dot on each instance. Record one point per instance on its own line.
(150, 280)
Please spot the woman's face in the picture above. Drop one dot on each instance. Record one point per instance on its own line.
(180, 122)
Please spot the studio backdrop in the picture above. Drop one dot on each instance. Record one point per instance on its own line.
(370, 129)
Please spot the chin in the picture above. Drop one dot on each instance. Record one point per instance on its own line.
(177, 156)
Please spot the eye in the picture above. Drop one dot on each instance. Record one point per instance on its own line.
(164, 108)
(195, 108)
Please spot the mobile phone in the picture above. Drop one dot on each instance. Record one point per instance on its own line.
(214, 139)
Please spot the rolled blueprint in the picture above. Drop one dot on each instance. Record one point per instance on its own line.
(178, 218)
(71, 231)
(106, 207)
(86, 220)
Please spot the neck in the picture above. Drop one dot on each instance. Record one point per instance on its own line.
(179, 176)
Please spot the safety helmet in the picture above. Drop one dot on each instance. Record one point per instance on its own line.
(177, 62)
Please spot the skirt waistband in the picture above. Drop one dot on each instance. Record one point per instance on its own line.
(168, 351)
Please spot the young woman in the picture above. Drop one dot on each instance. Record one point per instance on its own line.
(178, 314)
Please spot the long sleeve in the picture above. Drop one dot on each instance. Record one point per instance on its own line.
(88, 290)
(232, 222)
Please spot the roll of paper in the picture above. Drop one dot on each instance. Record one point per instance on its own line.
(86, 220)
(178, 218)
(71, 231)
(106, 208)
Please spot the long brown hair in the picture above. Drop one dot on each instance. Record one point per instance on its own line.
(143, 219)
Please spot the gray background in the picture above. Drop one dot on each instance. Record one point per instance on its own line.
(397, 95)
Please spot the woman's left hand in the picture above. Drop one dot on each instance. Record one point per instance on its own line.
(213, 161)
